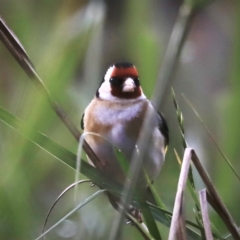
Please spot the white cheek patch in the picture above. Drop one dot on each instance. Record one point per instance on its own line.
(108, 74)
(105, 88)
(105, 91)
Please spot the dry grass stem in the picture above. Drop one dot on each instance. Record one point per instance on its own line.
(211, 137)
(14, 46)
(167, 70)
(231, 225)
(16, 49)
(178, 205)
(191, 184)
(179, 34)
(182, 234)
(205, 217)
(214, 198)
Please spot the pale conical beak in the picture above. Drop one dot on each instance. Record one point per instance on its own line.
(128, 85)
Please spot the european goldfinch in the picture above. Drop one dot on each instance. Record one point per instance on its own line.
(116, 115)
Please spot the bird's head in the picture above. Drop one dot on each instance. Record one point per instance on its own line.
(121, 81)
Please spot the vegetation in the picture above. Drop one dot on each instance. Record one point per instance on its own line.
(68, 43)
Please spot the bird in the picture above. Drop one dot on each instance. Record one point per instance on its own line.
(114, 118)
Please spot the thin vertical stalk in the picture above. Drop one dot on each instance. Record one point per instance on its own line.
(215, 200)
(178, 205)
(205, 217)
(168, 67)
(14, 46)
(191, 184)
(211, 137)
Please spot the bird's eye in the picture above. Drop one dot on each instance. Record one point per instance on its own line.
(115, 81)
(137, 82)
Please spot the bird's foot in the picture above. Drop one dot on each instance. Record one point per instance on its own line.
(136, 213)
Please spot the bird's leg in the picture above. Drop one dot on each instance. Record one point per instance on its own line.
(136, 213)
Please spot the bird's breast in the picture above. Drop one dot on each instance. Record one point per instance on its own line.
(120, 125)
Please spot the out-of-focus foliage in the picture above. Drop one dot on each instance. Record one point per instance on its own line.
(71, 43)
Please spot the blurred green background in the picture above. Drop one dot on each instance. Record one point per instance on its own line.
(71, 44)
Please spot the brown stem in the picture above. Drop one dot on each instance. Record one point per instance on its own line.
(215, 200)
(15, 48)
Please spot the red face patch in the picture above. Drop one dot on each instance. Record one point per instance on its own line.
(121, 74)
(124, 72)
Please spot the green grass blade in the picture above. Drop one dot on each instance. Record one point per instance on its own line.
(161, 216)
(59, 152)
(150, 222)
(190, 174)
(158, 200)
(59, 197)
(211, 137)
(87, 200)
(141, 227)
(147, 215)
(69, 159)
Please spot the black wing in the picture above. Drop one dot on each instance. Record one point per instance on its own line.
(163, 127)
(82, 122)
